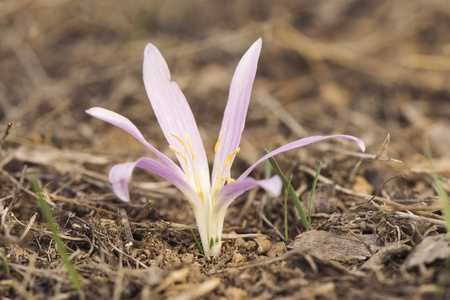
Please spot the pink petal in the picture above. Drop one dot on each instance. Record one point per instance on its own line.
(174, 114)
(229, 192)
(300, 143)
(236, 110)
(120, 175)
(126, 125)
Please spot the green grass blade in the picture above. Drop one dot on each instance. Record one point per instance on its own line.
(445, 274)
(313, 190)
(286, 232)
(4, 263)
(291, 192)
(267, 173)
(440, 189)
(60, 247)
(199, 246)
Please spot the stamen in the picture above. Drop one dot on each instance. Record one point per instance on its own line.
(229, 179)
(227, 161)
(217, 183)
(179, 139)
(179, 153)
(190, 145)
(216, 148)
(198, 186)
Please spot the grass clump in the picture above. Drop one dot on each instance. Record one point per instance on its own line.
(306, 219)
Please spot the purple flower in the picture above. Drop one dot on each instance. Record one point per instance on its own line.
(209, 196)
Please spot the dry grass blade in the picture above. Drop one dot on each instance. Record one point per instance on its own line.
(19, 188)
(201, 290)
(383, 147)
(390, 205)
(5, 134)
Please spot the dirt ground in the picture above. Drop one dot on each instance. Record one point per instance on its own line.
(365, 68)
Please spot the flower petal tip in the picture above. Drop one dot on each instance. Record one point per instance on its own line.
(121, 192)
(275, 187)
(361, 145)
(120, 189)
(150, 48)
(257, 45)
(119, 176)
(98, 112)
(91, 111)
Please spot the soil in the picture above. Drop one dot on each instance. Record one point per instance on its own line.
(378, 70)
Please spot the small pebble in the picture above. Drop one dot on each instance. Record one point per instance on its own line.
(237, 258)
(250, 245)
(264, 244)
(240, 242)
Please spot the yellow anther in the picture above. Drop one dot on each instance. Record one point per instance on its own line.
(227, 161)
(179, 139)
(229, 179)
(216, 148)
(178, 152)
(217, 184)
(190, 145)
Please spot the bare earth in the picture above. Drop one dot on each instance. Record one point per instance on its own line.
(365, 68)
